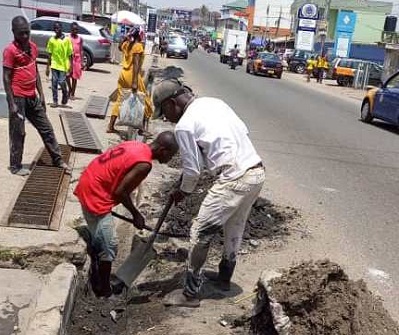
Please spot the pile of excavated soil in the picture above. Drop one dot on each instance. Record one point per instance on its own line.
(320, 299)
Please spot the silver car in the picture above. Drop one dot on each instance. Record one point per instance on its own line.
(96, 42)
(177, 47)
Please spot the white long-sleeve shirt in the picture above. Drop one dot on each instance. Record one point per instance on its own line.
(211, 134)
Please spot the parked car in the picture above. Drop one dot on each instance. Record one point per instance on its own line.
(297, 62)
(177, 47)
(266, 63)
(96, 41)
(343, 70)
(382, 103)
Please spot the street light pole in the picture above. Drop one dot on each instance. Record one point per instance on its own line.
(323, 34)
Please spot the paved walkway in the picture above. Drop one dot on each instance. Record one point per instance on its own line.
(39, 251)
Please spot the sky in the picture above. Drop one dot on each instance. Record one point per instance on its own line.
(217, 4)
(212, 4)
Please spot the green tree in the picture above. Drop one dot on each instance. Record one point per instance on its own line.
(204, 15)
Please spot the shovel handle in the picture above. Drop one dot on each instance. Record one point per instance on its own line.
(161, 219)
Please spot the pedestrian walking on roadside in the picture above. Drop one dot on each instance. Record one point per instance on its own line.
(163, 47)
(131, 75)
(60, 50)
(108, 181)
(77, 60)
(25, 97)
(209, 133)
(322, 67)
(310, 66)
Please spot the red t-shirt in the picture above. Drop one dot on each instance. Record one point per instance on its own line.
(100, 179)
(23, 81)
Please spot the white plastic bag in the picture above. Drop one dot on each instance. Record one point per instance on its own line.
(132, 111)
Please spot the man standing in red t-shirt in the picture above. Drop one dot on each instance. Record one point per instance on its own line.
(108, 181)
(21, 79)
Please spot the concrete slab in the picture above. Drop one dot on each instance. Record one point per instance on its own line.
(18, 294)
(55, 302)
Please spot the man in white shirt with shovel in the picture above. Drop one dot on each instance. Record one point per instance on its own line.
(210, 134)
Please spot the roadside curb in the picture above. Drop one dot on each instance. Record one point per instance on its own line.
(55, 302)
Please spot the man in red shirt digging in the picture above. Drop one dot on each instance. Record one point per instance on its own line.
(21, 80)
(108, 181)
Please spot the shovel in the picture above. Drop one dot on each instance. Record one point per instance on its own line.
(142, 252)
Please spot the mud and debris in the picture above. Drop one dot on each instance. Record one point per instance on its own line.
(266, 221)
(319, 298)
(41, 260)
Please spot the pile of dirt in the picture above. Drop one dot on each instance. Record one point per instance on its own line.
(319, 298)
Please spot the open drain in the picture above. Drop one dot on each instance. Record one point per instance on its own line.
(97, 107)
(78, 132)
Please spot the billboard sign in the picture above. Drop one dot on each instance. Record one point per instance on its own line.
(346, 23)
(305, 40)
(181, 15)
(152, 23)
(308, 14)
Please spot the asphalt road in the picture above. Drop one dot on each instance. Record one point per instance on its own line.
(321, 158)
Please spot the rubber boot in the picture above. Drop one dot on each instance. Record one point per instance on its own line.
(94, 276)
(222, 279)
(104, 271)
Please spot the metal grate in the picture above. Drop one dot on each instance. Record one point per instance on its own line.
(44, 158)
(36, 202)
(78, 132)
(97, 107)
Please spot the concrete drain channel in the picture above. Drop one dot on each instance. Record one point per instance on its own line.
(97, 107)
(42, 198)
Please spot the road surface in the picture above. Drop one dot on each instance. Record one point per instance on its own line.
(342, 174)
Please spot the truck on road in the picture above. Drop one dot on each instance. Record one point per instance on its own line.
(230, 39)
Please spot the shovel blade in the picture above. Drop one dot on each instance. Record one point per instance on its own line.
(136, 262)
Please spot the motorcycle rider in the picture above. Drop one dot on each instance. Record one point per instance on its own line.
(234, 56)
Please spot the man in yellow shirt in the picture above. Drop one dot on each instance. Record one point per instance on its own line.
(60, 51)
(322, 66)
(310, 65)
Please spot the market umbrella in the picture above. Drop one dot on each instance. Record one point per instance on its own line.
(127, 18)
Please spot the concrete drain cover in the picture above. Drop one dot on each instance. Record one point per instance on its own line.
(78, 132)
(97, 107)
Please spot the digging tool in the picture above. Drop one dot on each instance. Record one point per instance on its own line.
(148, 228)
(142, 252)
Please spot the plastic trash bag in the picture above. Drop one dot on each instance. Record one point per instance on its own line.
(132, 111)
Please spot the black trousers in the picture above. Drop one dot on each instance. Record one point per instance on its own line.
(31, 109)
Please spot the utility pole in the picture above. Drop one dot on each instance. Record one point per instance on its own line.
(324, 32)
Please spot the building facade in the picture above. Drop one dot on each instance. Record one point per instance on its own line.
(370, 17)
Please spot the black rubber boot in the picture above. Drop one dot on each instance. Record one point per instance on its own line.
(222, 279)
(94, 276)
(104, 271)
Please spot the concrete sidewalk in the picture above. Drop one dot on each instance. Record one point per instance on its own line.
(328, 86)
(37, 267)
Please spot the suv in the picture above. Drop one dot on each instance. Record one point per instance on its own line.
(297, 62)
(96, 42)
(343, 70)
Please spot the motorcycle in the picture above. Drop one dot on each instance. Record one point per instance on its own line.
(233, 62)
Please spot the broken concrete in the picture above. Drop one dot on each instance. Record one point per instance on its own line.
(18, 295)
(55, 302)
